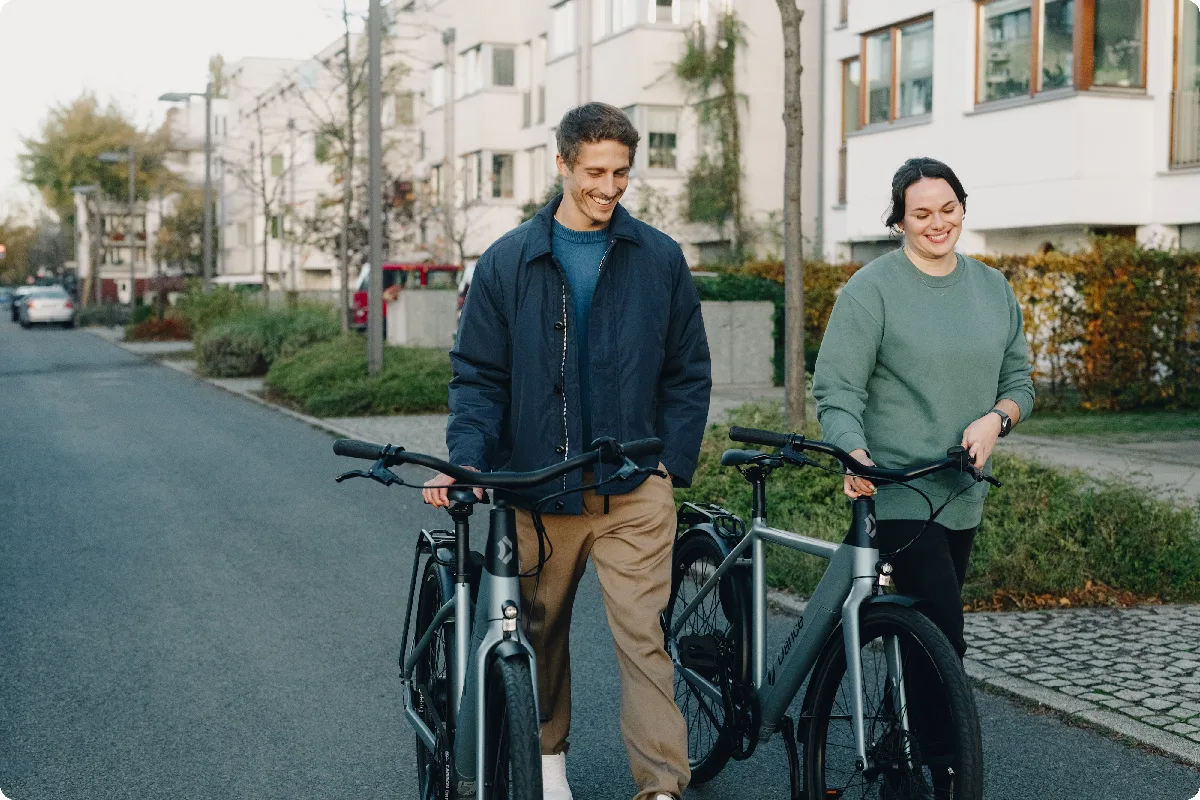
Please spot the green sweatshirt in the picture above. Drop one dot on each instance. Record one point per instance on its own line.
(908, 361)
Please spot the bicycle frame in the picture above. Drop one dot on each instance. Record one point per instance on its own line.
(475, 645)
(848, 582)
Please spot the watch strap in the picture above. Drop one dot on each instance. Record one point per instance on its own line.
(1005, 421)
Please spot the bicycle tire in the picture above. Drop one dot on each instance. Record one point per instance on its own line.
(944, 766)
(722, 615)
(513, 761)
(432, 685)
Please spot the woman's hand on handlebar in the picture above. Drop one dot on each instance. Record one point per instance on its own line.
(980, 438)
(855, 486)
(435, 491)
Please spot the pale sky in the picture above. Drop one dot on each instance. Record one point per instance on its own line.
(131, 51)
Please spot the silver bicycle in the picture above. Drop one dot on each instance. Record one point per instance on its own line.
(471, 689)
(888, 711)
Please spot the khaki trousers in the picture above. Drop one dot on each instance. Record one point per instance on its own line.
(631, 548)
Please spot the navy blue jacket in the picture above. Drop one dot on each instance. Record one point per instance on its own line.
(514, 399)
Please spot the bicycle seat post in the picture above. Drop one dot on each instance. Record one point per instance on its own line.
(461, 513)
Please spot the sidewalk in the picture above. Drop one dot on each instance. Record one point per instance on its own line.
(1134, 672)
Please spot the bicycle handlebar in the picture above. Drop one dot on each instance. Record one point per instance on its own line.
(956, 457)
(607, 450)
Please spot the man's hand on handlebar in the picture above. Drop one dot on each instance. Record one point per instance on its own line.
(435, 493)
(854, 486)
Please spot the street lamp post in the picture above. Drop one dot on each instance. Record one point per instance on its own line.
(207, 94)
(375, 227)
(93, 190)
(129, 157)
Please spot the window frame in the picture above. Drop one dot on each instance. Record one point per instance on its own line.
(497, 185)
(645, 116)
(893, 30)
(1083, 49)
(553, 50)
(512, 48)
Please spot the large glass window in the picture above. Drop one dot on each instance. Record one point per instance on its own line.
(851, 83)
(1058, 44)
(1117, 43)
(437, 86)
(879, 77)
(916, 69)
(504, 66)
(563, 26)
(502, 175)
(1188, 79)
(1005, 54)
(1185, 143)
(662, 125)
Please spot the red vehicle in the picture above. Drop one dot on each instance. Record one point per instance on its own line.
(396, 277)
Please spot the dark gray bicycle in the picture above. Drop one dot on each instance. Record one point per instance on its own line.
(888, 710)
(470, 676)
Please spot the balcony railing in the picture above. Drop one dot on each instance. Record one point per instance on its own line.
(842, 175)
(1185, 129)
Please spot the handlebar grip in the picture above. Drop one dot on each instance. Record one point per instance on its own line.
(353, 448)
(642, 447)
(758, 436)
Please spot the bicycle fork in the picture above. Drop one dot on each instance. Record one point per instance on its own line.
(496, 632)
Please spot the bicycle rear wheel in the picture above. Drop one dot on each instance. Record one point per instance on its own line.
(712, 639)
(922, 733)
(432, 684)
(514, 754)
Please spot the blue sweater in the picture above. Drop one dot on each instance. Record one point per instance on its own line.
(580, 253)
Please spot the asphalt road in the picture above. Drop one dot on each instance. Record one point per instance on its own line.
(190, 607)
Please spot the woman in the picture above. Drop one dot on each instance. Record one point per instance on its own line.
(924, 351)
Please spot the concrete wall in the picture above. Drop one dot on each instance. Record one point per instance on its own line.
(741, 341)
(423, 318)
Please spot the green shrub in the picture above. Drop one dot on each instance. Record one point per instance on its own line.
(141, 313)
(204, 310)
(247, 344)
(107, 315)
(1047, 531)
(330, 380)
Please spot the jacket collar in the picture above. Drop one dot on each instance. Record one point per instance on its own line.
(539, 242)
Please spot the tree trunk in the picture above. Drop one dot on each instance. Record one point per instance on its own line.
(347, 177)
(793, 258)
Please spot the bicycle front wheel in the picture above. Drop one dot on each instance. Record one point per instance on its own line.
(922, 732)
(432, 683)
(514, 754)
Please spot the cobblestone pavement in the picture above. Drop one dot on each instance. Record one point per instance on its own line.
(1135, 671)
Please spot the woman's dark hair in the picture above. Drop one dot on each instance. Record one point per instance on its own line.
(594, 122)
(912, 171)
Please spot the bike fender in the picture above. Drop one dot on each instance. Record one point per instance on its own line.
(905, 600)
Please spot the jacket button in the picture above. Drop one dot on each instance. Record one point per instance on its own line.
(559, 325)
(562, 448)
(558, 505)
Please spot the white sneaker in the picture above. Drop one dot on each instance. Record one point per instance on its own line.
(554, 778)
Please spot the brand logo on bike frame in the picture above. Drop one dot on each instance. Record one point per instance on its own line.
(504, 550)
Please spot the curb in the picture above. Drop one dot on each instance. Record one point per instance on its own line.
(789, 604)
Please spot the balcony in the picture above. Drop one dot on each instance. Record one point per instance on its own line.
(1185, 129)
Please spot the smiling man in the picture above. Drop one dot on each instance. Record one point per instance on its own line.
(583, 323)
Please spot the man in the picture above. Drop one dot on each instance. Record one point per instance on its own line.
(581, 323)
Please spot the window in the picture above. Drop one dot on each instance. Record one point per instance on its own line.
(665, 11)
(541, 104)
(470, 73)
(624, 14)
(843, 12)
(662, 125)
(851, 89)
(537, 173)
(437, 86)
(526, 109)
(1185, 100)
(1029, 46)
(1117, 43)
(435, 181)
(243, 234)
(276, 225)
(405, 108)
(599, 19)
(563, 27)
(502, 176)
(471, 168)
(276, 165)
(899, 72)
(504, 66)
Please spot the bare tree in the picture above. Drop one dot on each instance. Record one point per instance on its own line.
(795, 392)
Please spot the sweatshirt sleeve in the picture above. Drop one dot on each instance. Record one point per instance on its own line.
(1016, 373)
(844, 365)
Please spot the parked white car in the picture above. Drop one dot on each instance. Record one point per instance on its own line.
(47, 304)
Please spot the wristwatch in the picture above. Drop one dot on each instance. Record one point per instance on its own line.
(1005, 421)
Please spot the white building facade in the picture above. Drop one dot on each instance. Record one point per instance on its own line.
(1062, 118)
(519, 65)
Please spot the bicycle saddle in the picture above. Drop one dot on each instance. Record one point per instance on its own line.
(459, 495)
(736, 458)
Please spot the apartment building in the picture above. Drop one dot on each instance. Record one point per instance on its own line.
(1063, 118)
(519, 65)
(119, 242)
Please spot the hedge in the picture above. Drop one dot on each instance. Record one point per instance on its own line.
(1046, 532)
(247, 344)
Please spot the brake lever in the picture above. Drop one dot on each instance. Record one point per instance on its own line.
(378, 473)
(629, 469)
(354, 473)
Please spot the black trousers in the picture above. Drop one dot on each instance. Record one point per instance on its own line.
(932, 568)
